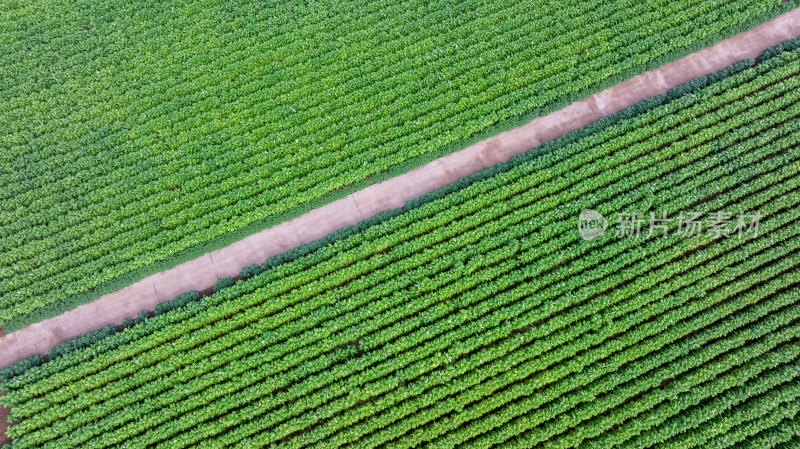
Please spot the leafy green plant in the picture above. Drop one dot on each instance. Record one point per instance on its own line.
(478, 316)
(146, 158)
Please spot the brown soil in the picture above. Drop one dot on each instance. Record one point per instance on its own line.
(3, 425)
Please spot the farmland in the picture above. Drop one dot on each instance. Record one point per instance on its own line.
(478, 315)
(139, 135)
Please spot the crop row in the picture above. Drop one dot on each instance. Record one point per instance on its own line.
(482, 317)
(319, 270)
(274, 116)
(194, 337)
(297, 390)
(327, 391)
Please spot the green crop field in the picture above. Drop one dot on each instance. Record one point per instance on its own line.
(137, 135)
(479, 316)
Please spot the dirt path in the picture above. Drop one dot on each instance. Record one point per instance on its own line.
(203, 272)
